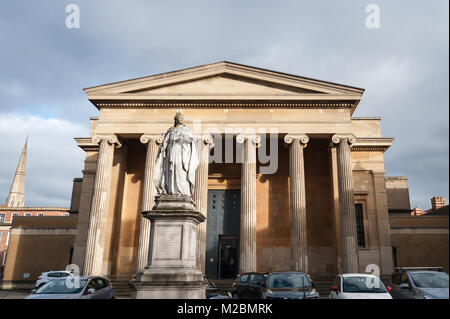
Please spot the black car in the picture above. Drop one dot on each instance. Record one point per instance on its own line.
(249, 286)
(289, 285)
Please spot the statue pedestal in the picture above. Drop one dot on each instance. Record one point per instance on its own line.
(172, 271)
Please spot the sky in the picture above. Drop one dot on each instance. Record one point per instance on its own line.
(403, 65)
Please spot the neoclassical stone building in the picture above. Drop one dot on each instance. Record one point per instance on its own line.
(309, 196)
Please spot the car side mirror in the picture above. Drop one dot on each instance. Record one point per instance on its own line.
(334, 288)
(90, 291)
(389, 289)
(404, 285)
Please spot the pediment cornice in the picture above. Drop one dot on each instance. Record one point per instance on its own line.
(223, 83)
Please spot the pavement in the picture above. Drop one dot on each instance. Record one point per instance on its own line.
(13, 294)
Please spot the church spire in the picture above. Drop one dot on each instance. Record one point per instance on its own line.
(16, 197)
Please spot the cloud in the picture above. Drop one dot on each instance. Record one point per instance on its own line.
(53, 159)
(403, 65)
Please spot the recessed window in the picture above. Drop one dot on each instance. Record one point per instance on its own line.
(360, 225)
(2, 218)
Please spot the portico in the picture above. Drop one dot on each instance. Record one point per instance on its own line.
(299, 162)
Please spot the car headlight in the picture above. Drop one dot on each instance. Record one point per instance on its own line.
(427, 297)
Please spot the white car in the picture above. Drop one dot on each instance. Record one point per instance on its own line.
(359, 286)
(45, 277)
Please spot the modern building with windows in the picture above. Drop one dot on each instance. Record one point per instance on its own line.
(288, 178)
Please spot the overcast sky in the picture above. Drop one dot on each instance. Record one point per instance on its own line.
(403, 65)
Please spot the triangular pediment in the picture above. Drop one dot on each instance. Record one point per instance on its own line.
(223, 81)
(224, 84)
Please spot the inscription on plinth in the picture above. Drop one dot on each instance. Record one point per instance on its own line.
(168, 242)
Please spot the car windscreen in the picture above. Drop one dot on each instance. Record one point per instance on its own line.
(62, 287)
(363, 284)
(430, 280)
(287, 281)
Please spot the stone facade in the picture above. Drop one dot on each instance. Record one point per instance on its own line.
(301, 216)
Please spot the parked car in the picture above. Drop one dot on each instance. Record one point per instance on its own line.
(213, 292)
(249, 286)
(45, 277)
(359, 286)
(420, 284)
(289, 285)
(88, 288)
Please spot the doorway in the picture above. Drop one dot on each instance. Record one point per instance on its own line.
(222, 234)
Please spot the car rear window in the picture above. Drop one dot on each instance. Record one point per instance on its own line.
(363, 284)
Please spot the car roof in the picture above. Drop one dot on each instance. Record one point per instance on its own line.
(287, 272)
(426, 271)
(357, 275)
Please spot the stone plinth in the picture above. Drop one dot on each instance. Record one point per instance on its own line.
(172, 270)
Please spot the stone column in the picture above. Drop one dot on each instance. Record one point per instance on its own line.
(99, 205)
(152, 142)
(204, 145)
(346, 203)
(299, 246)
(247, 255)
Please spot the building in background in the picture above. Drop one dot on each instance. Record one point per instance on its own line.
(419, 237)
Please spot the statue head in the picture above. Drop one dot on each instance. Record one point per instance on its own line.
(179, 118)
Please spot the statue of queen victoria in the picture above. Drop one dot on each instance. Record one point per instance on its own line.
(176, 161)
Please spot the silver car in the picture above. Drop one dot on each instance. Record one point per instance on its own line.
(75, 288)
(420, 285)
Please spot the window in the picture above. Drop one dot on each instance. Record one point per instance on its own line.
(65, 215)
(14, 215)
(360, 225)
(1, 234)
(53, 275)
(2, 218)
(40, 214)
(27, 214)
(101, 283)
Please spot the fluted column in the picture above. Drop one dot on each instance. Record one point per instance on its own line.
(99, 206)
(247, 257)
(204, 145)
(152, 142)
(297, 196)
(346, 203)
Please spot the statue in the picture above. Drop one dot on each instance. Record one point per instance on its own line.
(176, 161)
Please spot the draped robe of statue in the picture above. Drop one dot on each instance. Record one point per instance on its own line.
(176, 163)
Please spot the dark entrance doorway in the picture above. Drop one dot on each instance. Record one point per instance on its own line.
(228, 267)
(222, 234)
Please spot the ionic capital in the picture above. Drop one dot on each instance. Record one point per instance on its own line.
(145, 138)
(255, 139)
(112, 139)
(302, 138)
(206, 139)
(349, 138)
